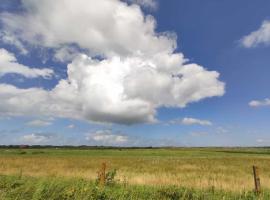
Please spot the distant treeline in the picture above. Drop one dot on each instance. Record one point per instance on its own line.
(110, 147)
(72, 147)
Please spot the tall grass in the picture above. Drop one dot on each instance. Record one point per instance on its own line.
(26, 188)
(222, 169)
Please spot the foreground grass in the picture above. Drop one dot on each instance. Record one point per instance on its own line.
(197, 168)
(27, 188)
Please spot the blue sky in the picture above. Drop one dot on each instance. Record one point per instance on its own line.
(144, 75)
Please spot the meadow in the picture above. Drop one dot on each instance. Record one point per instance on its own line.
(169, 173)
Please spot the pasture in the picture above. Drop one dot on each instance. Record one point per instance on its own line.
(227, 170)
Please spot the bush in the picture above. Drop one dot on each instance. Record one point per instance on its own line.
(109, 178)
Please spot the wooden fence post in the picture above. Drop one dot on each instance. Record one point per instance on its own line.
(102, 174)
(256, 180)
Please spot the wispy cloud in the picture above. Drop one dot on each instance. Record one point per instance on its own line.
(39, 123)
(221, 130)
(260, 36)
(263, 141)
(259, 103)
(191, 121)
(9, 64)
(35, 138)
(71, 126)
(198, 134)
(10, 39)
(152, 4)
(107, 137)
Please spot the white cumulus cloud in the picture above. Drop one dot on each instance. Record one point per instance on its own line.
(260, 36)
(126, 70)
(118, 91)
(9, 64)
(109, 27)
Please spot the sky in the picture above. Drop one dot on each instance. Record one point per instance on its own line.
(135, 72)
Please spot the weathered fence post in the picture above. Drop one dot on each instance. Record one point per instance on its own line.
(102, 174)
(256, 179)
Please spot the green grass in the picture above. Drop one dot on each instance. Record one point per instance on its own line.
(26, 188)
(160, 152)
(220, 173)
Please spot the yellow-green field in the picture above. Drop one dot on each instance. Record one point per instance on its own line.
(228, 169)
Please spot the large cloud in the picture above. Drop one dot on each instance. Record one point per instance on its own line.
(120, 91)
(105, 27)
(136, 72)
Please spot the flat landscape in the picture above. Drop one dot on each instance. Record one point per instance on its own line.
(227, 170)
(134, 100)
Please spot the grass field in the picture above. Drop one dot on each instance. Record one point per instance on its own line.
(201, 169)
